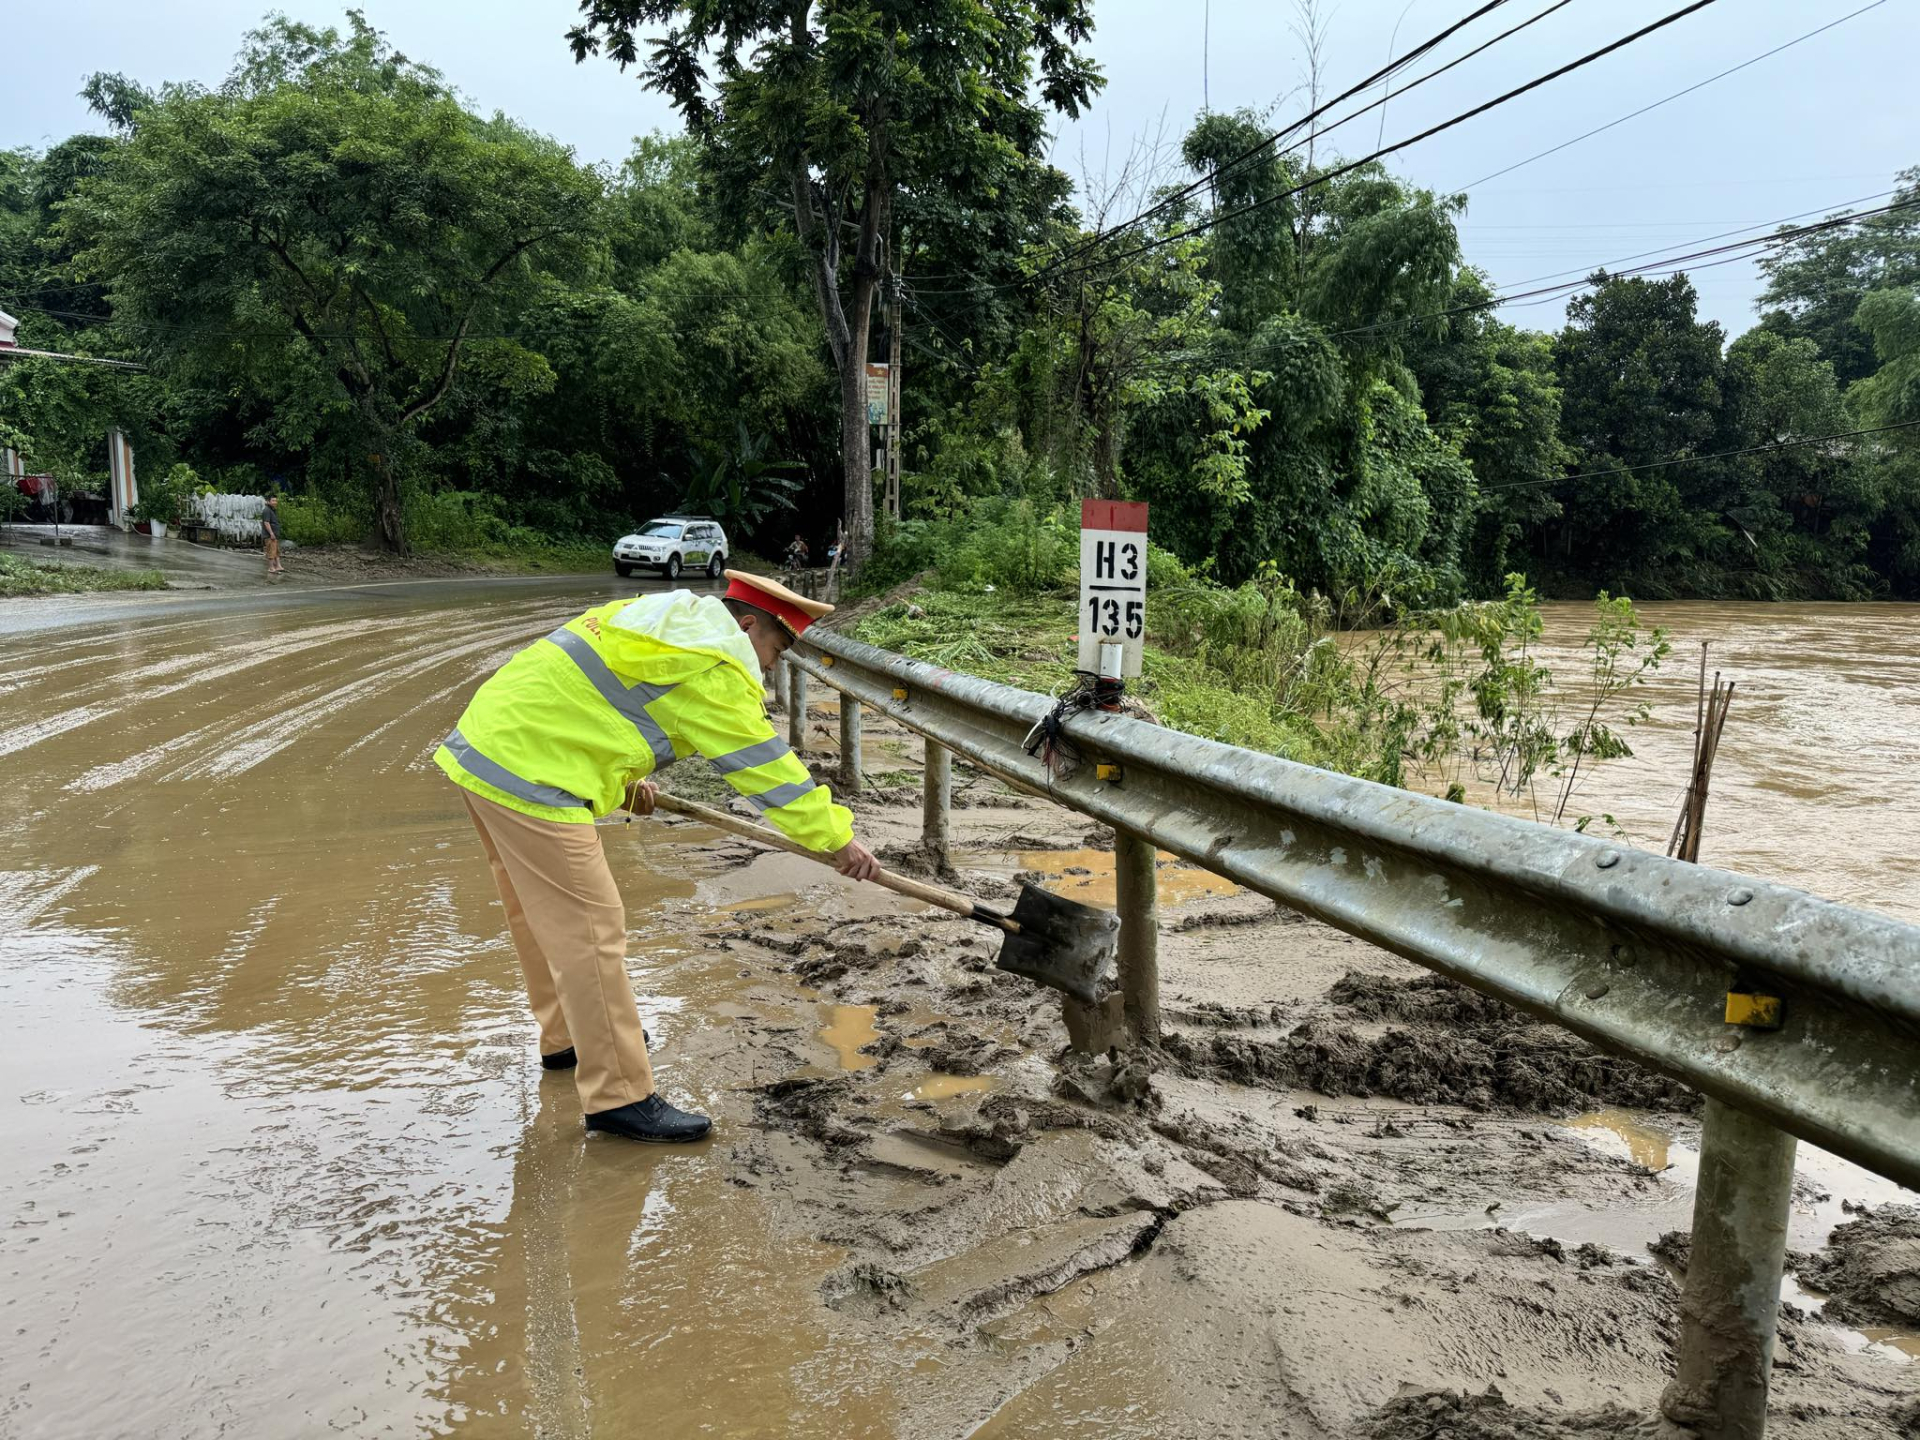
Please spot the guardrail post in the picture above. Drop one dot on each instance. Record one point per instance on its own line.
(935, 832)
(797, 708)
(1730, 1304)
(1137, 898)
(780, 672)
(852, 773)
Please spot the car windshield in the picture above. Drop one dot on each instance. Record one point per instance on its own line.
(661, 529)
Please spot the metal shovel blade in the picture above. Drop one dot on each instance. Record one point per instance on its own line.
(1061, 943)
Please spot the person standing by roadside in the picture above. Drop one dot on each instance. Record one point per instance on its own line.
(571, 729)
(270, 530)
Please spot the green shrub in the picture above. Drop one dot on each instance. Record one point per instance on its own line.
(164, 497)
(472, 523)
(315, 520)
(901, 550)
(25, 577)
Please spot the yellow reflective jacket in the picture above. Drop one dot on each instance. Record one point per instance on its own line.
(566, 725)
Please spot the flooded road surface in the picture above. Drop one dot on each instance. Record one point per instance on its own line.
(279, 1156)
(1817, 780)
(280, 1159)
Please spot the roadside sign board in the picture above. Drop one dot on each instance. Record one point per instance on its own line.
(877, 392)
(1113, 581)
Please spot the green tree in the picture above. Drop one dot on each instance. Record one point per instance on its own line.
(1891, 396)
(1491, 388)
(17, 174)
(1815, 281)
(1803, 513)
(333, 229)
(1640, 380)
(833, 110)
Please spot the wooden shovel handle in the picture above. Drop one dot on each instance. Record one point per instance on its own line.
(916, 889)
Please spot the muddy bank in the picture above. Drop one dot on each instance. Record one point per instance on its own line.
(1221, 1236)
(1870, 1270)
(1489, 1416)
(1454, 1046)
(267, 1050)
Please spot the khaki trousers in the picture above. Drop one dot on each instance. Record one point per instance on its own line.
(570, 931)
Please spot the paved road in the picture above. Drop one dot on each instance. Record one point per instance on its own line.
(233, 582)
(112, 549)
(269, 1085)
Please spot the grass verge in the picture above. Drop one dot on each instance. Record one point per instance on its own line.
(1028, 641)
(20, 576)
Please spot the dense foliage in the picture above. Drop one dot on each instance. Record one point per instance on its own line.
(430, 326)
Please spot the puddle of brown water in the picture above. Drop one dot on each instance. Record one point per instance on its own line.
(1178, 883)
(268, 1073)
(773, 878)
(1907, 1344)
(1627, 1225)
(945, 1087)
(845, 1028)
(1646, 1144)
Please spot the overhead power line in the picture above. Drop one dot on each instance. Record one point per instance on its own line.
(1334, 174)
(1787, 45)
(1416, 83)
(1765, 224)
(17, 353)
(1768, 448)
(1697, 85)
(1212, 176)
(1673, 264)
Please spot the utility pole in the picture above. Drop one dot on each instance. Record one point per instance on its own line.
(893, 402)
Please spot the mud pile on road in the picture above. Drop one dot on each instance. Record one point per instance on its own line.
(1870, 1270)
(1247, 1202)
(1453, 1046)
(1450, 1416)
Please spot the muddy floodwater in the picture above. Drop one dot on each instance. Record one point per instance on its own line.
(275, 1155)
(279, 1159)
(1817, 780)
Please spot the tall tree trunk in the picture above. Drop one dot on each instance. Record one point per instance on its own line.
(387, 509)
(383, 446)
(857, 455)
(1106, 458)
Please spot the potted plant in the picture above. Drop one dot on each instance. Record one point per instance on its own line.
(163, 499)
(154, 507)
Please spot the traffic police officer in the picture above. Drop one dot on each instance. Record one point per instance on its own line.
(567, 731)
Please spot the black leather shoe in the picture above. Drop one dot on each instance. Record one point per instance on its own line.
(566, 1059)
(651, 1119)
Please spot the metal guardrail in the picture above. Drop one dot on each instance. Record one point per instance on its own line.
(1633, 951)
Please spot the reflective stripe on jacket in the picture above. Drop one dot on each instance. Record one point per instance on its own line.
(567, 724)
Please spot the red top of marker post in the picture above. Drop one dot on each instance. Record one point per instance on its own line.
(1113, 515)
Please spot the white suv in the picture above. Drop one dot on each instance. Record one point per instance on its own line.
(672, 544)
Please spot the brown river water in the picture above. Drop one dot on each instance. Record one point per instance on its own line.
(1817, 779)
(277, 1159)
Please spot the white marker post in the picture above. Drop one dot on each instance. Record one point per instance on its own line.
(1113, 583)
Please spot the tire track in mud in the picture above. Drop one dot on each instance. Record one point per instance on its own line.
(259, 743)
(127, 688)
(78, 653)
(321, 641)
(26, 895)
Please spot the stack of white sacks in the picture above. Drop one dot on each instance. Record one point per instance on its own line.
(236, 517)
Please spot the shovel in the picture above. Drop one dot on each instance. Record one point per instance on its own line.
(1058, 942)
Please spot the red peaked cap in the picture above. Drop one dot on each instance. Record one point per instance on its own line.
(772, 600)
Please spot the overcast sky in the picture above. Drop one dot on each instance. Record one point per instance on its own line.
(1826, 122)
